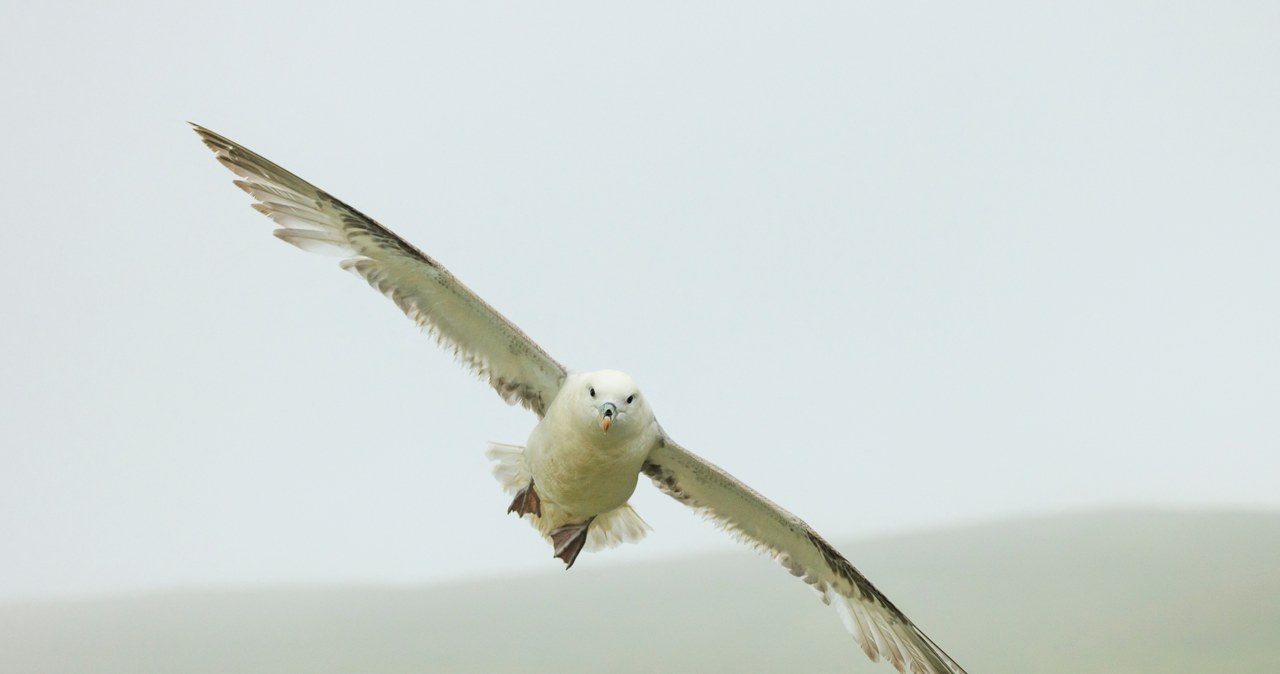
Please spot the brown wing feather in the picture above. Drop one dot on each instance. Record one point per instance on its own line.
(877, 625)
(312, 219)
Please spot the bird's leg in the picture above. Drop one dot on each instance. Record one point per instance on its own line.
(569, 539)
(526, 501)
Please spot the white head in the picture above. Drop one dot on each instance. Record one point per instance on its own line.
(611, 401)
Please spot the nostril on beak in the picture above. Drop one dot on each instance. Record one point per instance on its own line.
(608, 413)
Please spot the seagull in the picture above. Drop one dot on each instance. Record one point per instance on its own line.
(596, 432)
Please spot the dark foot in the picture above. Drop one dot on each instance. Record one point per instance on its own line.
(526, 502)
(569, 540)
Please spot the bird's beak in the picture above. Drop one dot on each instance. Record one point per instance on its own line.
(607, 412)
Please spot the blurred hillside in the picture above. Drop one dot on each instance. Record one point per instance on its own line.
(1115, 592)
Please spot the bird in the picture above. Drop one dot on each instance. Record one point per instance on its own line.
(596, 432)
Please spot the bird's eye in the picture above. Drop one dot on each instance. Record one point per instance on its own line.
(630, 398)
(592, 391)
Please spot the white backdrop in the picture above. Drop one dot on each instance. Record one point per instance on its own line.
(896, 266)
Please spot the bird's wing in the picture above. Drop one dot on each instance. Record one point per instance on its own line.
(479, 336)
(877, 625)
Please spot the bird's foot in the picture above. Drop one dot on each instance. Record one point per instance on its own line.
(526, 501)
(568, 541)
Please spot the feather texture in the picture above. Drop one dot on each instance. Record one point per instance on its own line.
(481, 338)
(610, 529)
(875, 623)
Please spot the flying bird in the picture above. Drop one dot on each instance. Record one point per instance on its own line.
(596, 432)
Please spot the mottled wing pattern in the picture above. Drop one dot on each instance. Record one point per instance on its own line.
(877, 625)
(478, 335)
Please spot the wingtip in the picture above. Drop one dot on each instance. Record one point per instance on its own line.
(210, 138)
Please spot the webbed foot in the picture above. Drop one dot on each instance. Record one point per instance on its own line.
(526, 502)
(568, 541)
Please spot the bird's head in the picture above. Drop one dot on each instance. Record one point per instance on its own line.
(612, 401)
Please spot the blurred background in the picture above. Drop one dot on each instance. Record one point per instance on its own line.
(922, 273)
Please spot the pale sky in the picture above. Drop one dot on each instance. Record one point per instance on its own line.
(895, 265)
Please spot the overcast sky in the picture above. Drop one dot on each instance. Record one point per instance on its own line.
(896, 265)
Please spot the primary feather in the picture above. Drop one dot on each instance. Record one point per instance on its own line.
(875, 623)
(312, 219)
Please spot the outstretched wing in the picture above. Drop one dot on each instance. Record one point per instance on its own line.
(877, 625)
(478, 335)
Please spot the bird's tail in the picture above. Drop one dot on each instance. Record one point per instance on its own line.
(509, 466)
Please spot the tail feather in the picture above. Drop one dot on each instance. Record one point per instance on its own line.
(618, 526)
(509, 466)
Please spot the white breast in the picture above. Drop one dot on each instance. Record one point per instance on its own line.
(582, 469)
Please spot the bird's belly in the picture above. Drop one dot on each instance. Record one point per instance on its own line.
(581, 479)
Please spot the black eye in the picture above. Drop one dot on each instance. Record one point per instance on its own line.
(592, 390)
(631, 397)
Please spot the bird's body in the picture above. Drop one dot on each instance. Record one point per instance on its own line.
(582, 462)
(576, 465)
(596, 432)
